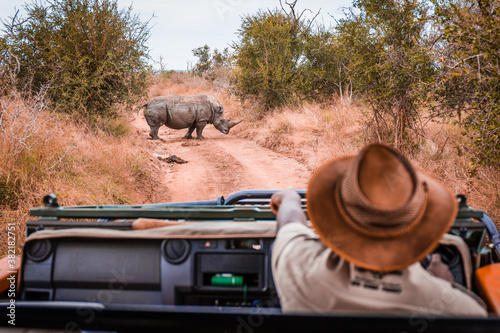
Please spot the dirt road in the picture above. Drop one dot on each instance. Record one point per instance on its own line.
(219, 165)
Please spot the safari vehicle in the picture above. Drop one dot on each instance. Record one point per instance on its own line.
(204, 266)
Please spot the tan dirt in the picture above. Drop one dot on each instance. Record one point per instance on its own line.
(218, 165)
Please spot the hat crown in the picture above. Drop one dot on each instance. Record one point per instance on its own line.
(383, 179)
(380, 194)
(345, 207)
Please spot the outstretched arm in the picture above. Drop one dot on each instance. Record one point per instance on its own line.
(288, 208)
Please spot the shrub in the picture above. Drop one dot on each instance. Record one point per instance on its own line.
(90, 54)
(269, 56)
(326, 69)
(470, 76)
(390, 64)
(214, 66)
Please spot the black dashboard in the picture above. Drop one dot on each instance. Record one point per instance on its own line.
(224, 272)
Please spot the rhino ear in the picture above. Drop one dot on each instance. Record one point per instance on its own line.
(217, 107)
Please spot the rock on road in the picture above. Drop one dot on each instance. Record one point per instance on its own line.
(220, 165)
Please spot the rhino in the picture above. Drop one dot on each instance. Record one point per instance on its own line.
(191, 112)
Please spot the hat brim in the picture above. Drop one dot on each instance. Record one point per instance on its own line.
(376, 253)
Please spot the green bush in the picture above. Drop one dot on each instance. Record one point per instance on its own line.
(214, 66)
(88, 54)
(326, 69)
(390, 64)
(470, 71)
(269, 56)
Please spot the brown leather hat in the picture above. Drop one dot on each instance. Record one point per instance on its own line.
(376, 211)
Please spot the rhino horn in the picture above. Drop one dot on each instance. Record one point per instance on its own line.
(232, 124)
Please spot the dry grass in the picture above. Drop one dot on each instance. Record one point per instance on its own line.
(176, 83)
(439, 157)
(55, 155)
(312, 134)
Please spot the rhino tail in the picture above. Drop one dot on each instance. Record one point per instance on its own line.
(145, 105)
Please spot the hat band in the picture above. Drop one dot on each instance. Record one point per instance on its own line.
(380, 232)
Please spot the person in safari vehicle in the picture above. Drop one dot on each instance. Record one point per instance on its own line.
(375, 218)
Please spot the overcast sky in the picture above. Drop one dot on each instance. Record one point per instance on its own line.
(180, 26)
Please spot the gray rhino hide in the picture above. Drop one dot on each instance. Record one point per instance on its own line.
(191, 112)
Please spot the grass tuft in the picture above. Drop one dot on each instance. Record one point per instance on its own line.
(80, 165)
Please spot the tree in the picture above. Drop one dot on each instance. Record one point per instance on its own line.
(269, 55)
(390, 63)
(89, 54)
(326, 67)
(215, 66)
(471, 71)
(204, 63)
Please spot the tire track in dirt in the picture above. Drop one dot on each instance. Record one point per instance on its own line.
(219, 165)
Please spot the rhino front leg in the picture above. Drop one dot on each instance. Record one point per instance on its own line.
(199, 130)
(153, 133)
(189, 132)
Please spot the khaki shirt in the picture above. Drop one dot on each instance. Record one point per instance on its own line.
(309, 277)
